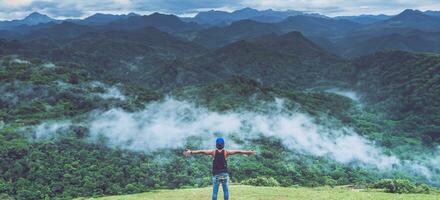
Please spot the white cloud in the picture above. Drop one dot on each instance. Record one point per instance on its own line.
(16, 3)
(20, 61)
(112, 93)
(346, 93)
(12, 9)
(162, 125)
(50, 129)
(169, 123)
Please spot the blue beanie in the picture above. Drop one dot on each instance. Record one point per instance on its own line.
(220, 143)
(220, 140)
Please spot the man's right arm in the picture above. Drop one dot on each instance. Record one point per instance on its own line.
(244, 152)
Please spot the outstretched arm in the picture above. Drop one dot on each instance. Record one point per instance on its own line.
(189, 152)
(244, 152)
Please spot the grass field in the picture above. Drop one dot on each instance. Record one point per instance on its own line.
(241, 192)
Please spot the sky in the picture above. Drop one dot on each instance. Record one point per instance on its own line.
(61, 9)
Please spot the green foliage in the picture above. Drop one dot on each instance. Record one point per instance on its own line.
(37, 92)
(5, 197)
(4, 187)
(261, 181)
(38, 74)
(241, 92)
(70, 166)
(401, 186)
(405, 87)
(399, 103)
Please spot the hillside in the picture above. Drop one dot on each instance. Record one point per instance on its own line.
(347, 36)
(412, 18)
(106, 54)
(415, 41)
(241, 192)
(220, 36)
(288, 60)
(163, 22)
(218, 17)
(67, 108)
(406, 86)
(317, 26)
(67, 96)
(34, 18)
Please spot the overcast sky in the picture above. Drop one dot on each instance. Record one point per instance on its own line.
(14, 9)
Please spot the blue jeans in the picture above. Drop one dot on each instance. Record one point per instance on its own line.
(222, 178)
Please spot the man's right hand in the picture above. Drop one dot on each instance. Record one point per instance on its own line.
(187, 152)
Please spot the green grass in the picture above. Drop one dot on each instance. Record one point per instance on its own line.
(242, 192)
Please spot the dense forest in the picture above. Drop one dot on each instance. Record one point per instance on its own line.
(108, 108)
(73, 165)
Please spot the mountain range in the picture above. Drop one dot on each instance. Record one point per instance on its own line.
(166, 52)
(214, 17)
(346, 36)
(34, 18)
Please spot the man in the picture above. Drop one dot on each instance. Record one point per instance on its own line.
(219, 165)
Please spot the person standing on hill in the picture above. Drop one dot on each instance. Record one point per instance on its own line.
(220, 173)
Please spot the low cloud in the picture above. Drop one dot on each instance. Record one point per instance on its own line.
(51, 129)
(346, 93)
(169, 123)
(161, 125)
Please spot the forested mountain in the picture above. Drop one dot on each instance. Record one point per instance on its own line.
(365, 19)
(406, 86)
(61, 31)
(347, 36)
(34, 18)
(111, 53)
(408, 22)
(432, 13)
(106, 53)
(69, 165)
(411, 19)
(106, 105)
(288, 60)
(167, 23)
(213, 17)
(313, 26)
(220, 36)
(101, 19)
(415, 41)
